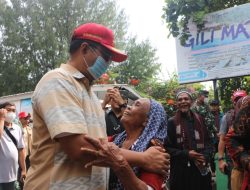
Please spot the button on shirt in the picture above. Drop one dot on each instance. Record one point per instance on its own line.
(9, 154)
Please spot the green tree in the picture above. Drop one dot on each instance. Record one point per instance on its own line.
(162, 91)
(141, 64)
(228, 86)
(35, 36)
(177, 13)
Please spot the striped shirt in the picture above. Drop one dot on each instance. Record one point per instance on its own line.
(62, 105)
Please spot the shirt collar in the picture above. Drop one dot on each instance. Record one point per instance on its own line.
(11, 127)
(72, 71)
(76, 74)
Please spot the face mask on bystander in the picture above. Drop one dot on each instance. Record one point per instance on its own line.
(10, 117)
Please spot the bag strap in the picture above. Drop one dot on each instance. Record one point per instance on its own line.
(11, 136)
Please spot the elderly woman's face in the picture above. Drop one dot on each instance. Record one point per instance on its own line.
(184, 102)
(136, 114)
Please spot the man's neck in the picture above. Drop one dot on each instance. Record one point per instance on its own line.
(200, 102)
(187, 114)
(81, 69)
(117, 112)
(132, 136)
(24, 126)
(9, 125)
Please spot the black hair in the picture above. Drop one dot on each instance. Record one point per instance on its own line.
(203, 92)
(76, 43)
(3, 105)
(214, 102)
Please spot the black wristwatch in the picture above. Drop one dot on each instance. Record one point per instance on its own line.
(123, 105)
(220, 158)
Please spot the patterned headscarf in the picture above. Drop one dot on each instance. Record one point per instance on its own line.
(156, 128)
(242, 120)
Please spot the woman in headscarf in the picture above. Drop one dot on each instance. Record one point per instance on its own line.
(143, 121)
(238, 145)
(145, 125)
(188, 146)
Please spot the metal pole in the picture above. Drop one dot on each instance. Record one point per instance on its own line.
(216, 94)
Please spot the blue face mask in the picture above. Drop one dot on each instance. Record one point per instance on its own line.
(98, 68)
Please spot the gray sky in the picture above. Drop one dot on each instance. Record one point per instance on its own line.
(144, 18)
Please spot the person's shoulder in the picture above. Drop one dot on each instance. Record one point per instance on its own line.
(171, 121)
(194, 105)
(48, 77)
(53, 73)
(61, 72)
(198, 115)
(50, 80)
(16, 127)
(230, 112)
(224, 116)
(108, 112)
(204, 107)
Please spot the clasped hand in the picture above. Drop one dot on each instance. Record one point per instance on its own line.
(197, 157)
(109, 155)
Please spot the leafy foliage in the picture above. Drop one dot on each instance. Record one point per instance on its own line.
(165, 91)
(177, 13)
(35, 35)
(228, 86)
(141, 63)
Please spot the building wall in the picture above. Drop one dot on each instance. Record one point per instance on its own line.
(23, 100)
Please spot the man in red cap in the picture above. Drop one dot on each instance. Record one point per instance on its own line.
(24, 118)
(65, 110)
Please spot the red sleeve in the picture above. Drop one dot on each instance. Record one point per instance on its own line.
(233, 147)
(111, 138)
(152, 179)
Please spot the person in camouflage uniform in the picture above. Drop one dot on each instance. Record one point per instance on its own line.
(201, 107)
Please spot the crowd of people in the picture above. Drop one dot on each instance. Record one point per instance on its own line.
(77, 143)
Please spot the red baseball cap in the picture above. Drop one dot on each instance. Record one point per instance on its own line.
(101, 35)
(23, 115)
(238, 94)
